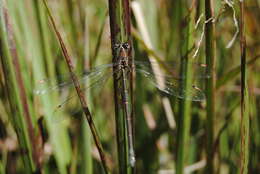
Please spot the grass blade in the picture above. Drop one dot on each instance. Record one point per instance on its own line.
(17, 98)
(244, 143)
(42, 66)
(79, 91)
(184, 117)
(233, 73)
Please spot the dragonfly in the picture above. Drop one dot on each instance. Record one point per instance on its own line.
(97, 76)
(165, 81)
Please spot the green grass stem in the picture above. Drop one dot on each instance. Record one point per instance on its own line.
(119, 13)
(184, 116)
(17, 98)
(244, 143)
(210, 54)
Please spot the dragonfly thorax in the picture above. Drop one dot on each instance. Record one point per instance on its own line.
(122, 50)
(123, 62)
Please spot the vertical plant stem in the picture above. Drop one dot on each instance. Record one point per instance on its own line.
(87, 162)
(210, 83)
(79, 92)
(183, 121)
(120, 32)
(20, 116)
(42, 66)
(244, 145)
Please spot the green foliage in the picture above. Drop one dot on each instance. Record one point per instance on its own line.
(170, 134)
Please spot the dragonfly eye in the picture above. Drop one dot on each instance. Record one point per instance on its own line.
(126, 46)
(116, 46)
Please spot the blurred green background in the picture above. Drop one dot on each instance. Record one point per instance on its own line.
(61, 136)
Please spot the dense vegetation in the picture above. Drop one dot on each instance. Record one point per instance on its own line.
(44, 128)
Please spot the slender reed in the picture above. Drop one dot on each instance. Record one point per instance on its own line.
(119, 13)
(233, 73)
(79, 91)
(21, 118)
(210, 49)
(43, 66)
(244, 142)
(87, 161)
(184, 117)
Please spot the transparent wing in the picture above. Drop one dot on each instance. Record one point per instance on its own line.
(95, 78)
(73, 101)
(172, 68)
(44, 86)
(169, 83)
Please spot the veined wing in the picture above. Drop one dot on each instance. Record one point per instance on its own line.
(97, 83)
(95, 78)
(169, 83)
(171, 69)
(44, 86)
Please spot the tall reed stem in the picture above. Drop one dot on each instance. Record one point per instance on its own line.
(210, 55)
(183, 120)
(119, 13)
(244, 144)
(43, 66)
(79, 92)
(21, 118)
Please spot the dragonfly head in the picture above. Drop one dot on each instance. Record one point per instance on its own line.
(121, 46)
(122, 49)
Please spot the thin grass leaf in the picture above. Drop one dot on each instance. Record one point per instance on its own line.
(184, 119)
(16, 100)
(149, 44)
(244, 142)
(233, 73)
(79, 92)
